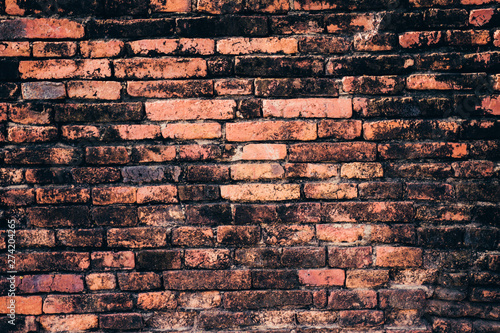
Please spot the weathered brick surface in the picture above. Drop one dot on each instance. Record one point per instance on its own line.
(250, 165)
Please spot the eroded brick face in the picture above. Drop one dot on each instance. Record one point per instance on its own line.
(251, 166)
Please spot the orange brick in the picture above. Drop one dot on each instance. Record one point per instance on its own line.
(308, 108)
(340, 129)
(271, 130)
(240, 45)
(101, 48)
(256, 171)
(113, 260)
(137, 132)
(64, 69)
(496, 38)
(54, 49)
(192, 131)
(160, 193)
(160, 68)
(322, 277)
(24, 305)
(219, 6)
(177, 109)
(260, 192)
(153, 153)
(355, 21)
(366, 278)
(340, 233)
(113, 195)
(14, 49)
(331, 191)
(171, 6)
(75, 132)
(256, 151)
(108, 90)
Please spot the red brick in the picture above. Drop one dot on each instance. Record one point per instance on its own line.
(80, 238)
(113, 260)
(107, 155)
(77, 132)
(490, 105)
(224, 87)
(162, 300)
(96, 175)
(468, 37)
(402, 298)
(258, 257)
(53, 156)
(54, 49)
(173, 6)
(308, 108)
(113, 195)
(121, 321)
(15, 49)
(108, 90)
(199, 152)
(429, 191)
(422, 150)
(192, 131)
(35, 238)
(339, 233)
(256, 299)
(418, 39)
(207, 280)
(162, 215)
(473, 169)
(260, 192)
(330, 191)
(87, 303)
(395, 233)
(364, 278)
(139, 237)
(100, 281)
(342, 130)
(199, 300)
(52, 261)
(240, 235)
(309, 170)
(159, 260)
(139, 281)
(42, 28)
(62, 195)
(160, 193)
(101, 48)
(350, 257)
(43, 90)
(388, 256)
(288, 235)
(352, 299)
(191, 46)
(445, 325)
(240, 45)
(17, 196)
(161, 68)
(190, 109)
(361, 318)
(361, 170)
(332, 152)
(314, 5)
(441, 81)
(208, 258)
(28, 113)
(256, 171)
(256, 151)
(371, 41)
(170, 88)
(152, 153)
(373, 84)
(322, 277)
(60, 323)
(274, 6)
(64, 69)
(21, 134)
(271, 130)
(368, 211)
(323, 44)
(193, 236)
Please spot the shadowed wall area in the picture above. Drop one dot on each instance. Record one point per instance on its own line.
(257, 166)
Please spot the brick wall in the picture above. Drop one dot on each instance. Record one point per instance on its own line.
(252, 166)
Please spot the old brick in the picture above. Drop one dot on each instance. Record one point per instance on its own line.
(190, 109)
(207, 280)
(101, 48)
(350, 257)
(238, 235)
(304, 257)
(217, 213)
(158, 259)
(87, 303)
(258, 257)
(388, 256)
(101, 281)
(207, 258)
(57, 323)
(260, 192)
(139, 281)
(137, 237)
(170, 88)
(106, 90)
(160, 300)
(352, 299)
(256, 299)
(166, 68)
(113, 260)
(364, 278)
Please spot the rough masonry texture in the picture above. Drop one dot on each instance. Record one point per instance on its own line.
(303, 166)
